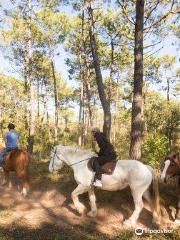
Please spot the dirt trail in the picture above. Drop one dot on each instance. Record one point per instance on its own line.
(48, 203)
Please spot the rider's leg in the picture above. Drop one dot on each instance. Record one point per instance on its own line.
(2, 155)
(98, 163)
(98, 169)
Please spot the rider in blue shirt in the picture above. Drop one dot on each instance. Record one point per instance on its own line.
(11, 140)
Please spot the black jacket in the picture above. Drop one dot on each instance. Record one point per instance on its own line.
(106, 148)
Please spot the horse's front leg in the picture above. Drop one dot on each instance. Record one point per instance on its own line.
(177, 217)
(92, 198)
(78, 205)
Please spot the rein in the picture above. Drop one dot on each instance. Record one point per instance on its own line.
(55, 154)
(78, 162)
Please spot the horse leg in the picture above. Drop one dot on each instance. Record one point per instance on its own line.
(137, 196)
(92, 199)
(74, 195)
(23, 180)
(148, 198)
(26, 181)
(6, 179)
(177, 220)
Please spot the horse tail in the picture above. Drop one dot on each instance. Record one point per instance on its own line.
(25, 168)
(155, 191)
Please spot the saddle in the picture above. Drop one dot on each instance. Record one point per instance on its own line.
(107, 168)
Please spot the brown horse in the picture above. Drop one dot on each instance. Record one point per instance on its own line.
(171, 169)
(18, 161)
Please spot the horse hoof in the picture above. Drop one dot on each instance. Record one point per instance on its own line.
(81, 209)
(92, 214)
(83, 212)
(4, 182)
(129, 224)
(156, 222)
(177, 222)
(24, 192)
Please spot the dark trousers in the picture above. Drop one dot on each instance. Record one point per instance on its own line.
(99, 161)
(6, 150)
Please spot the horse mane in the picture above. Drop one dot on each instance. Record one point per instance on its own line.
(75, 151)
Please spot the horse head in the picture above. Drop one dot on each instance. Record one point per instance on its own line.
(69, 155)
(56, 160)
(171, 168)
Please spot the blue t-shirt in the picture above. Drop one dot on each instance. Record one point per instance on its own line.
(12, 139)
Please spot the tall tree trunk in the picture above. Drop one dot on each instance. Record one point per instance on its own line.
(26, 91)
(81, 107)
(1, 117)
(38, 101)
(116, 108)
(168, 115)
(55, 95)
(87, 78)
(86, 119)
(168, 86)
(111, 70)
(32, 123)
(45, 104)
(137, 122)
(44, 115)
(88, 98)
(144, 104)
(99, 80)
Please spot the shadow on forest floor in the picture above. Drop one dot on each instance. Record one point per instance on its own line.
(48, 212)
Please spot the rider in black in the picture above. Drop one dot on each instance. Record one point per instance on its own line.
(106, 153)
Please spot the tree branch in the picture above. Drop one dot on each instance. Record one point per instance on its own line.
(125, 13)
(163, 17)
(153, 53)
(149, 14)
(152, 45)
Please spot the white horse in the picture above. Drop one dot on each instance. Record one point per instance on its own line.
(130, 173)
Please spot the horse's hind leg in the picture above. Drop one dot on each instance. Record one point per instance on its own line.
(24, 183)
(148, 198)
(137, 193)
(25, 189)
(92, 199)
(78, 205)
(6, 179)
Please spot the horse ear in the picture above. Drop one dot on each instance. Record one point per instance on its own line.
(176, 156)
(176, 159)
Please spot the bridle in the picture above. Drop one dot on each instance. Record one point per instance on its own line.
(54, 157)
(55, 154)
(174, 162)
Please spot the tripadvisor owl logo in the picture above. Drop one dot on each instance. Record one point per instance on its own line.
(139, 231)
